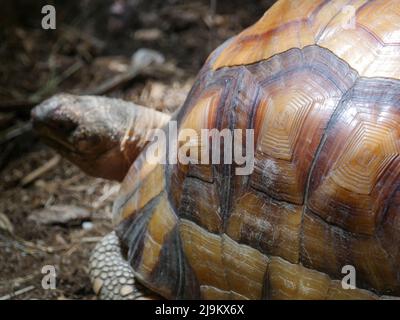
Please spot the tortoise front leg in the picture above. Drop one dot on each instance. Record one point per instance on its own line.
(111, 276)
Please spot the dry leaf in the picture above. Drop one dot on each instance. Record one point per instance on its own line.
(60, 214)
(5, 223)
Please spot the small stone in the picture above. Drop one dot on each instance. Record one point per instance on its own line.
(87, 225)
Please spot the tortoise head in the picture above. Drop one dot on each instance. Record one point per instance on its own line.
(85, 132)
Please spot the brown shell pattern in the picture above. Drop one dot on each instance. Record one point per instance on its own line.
(324, 102)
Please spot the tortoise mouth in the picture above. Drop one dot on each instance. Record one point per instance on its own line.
(58, 140)
(51, 136)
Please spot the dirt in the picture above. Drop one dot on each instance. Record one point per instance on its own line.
(94, 35)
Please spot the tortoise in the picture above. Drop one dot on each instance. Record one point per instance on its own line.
(320, 90)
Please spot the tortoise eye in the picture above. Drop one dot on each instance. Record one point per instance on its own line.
(66, 128)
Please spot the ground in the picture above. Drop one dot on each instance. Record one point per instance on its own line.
(92, 43)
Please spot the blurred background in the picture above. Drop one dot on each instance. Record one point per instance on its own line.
(50, 212)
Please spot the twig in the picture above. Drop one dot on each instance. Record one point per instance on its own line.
(40, 171)
(17, 293)
(156, 70)
(108, 193)
(24, 246)
(13, 105)
(42, 93)
(51, 85)
(16, 282)
(6, 119)
(114, 82)
(90, 239)
(15, 131)
(122, 79)
(213, 7)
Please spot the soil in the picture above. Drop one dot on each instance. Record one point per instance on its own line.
(91, 40)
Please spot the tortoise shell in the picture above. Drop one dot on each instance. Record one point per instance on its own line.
(323, 98)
